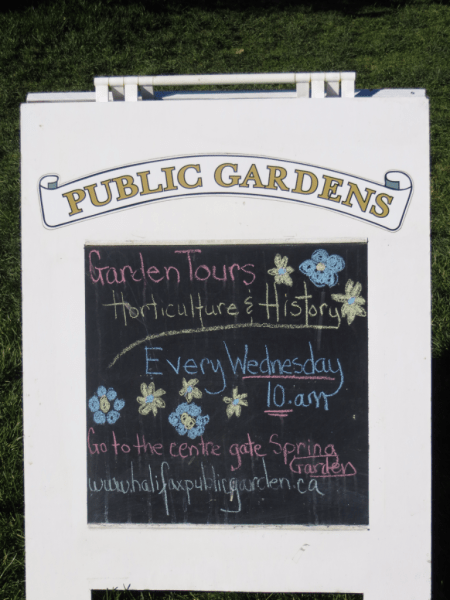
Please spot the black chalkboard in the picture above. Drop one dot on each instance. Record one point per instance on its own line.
(227, 384)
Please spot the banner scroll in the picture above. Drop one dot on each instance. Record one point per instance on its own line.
(164, 179)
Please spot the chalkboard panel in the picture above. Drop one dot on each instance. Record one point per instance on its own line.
(227, 384)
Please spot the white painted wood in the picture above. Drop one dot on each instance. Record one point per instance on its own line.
(101, 89)
(332, 81)
(131, 89)
(367, 137)
(231, 95)
(117, 88)
(301, 80)
(302, 85)
(226, 95)
(317, 85)
(348, 85)
(223, 79)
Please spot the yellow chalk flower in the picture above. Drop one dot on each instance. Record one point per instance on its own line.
(150, 400)
(281, 272)
(351, 301)
(189, 391)
(235, 403)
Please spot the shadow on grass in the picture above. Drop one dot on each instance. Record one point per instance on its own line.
(440, 485)
(351, 7)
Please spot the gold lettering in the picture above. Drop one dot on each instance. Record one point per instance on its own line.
(145, 186)
(276, 176)
(252, 175)
(169, 179)
(300, 178)
(354, 191)
(234, 179)
(124, 183)
(331, 183)
(182, 177)
(380, 200)
(74, 198)
(93, 194)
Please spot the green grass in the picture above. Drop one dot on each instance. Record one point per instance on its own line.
(62, 45)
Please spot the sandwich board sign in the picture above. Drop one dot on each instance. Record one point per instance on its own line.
(226, 308)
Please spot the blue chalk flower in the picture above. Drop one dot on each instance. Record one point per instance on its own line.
(322, 269)
(100, 405)
(187, 418)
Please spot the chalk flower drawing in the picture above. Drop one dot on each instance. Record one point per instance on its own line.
(100, 405)
(187, 418)
(189, 391)
(281, 272)
(235, 403)
(150, 400)
(351, 301)
(322, 269)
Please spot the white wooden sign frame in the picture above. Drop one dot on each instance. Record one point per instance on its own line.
(367, 137)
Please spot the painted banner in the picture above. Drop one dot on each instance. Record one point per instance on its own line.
(383, 205)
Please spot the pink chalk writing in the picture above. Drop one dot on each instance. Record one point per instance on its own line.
(288, 377)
